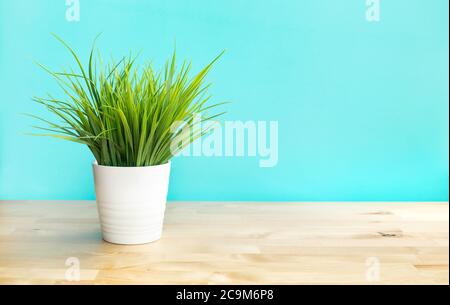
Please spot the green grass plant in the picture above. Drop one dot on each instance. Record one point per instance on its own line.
(125, 113)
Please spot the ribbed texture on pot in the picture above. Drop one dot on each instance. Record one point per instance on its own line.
(130, 222)
(131, 202)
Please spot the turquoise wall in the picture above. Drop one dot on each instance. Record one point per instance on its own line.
(362, 107)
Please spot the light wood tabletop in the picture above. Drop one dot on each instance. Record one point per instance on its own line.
(231, 243)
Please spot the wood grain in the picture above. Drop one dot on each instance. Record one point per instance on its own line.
(232, 243)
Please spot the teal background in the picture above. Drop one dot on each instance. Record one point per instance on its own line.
(362, 107)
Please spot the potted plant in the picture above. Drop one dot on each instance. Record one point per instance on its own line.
(126, 114)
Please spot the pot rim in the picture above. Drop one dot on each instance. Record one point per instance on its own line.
(95, 164)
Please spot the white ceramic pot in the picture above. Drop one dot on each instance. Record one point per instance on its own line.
(131, 202)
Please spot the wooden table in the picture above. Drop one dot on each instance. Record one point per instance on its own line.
(239, 243)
